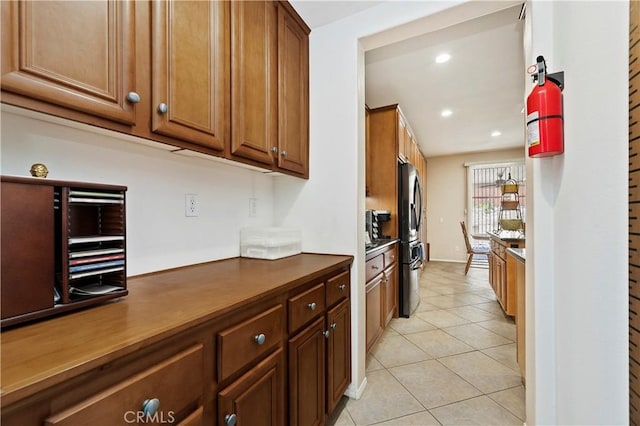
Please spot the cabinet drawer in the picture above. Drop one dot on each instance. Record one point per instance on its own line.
(249, 340)
(176, 383)
(306, 306)
(373, 267)
(390, 256)
(338, 288)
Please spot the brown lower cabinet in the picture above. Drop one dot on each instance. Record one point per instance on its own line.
(281, 356)
(505, 291)
(381, 272)
(257, 398)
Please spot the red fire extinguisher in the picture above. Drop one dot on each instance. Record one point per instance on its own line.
(544, 115)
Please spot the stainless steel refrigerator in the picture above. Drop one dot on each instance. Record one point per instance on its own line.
(411, 248)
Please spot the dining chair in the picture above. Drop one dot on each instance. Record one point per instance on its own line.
(472, 250)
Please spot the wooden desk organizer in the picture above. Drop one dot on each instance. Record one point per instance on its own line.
(63, 246)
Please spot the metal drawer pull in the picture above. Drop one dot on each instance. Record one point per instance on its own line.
(230, 419)
(312, 306)
(374, 267)
(163, 108)
(260, 339)
(133, 97)
(343, 287)
(333, 326)
(326, 334)
(150, 406)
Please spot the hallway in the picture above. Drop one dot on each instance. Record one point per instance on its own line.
(452, 363)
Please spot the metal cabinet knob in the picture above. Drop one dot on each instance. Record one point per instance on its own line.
(284, 153)
(163, 108)
(333, 326)
(312, 306)
(230, 419)
(375, 267)
(343, 287)
(133, 97)
(260, 339)
(274, 149)
(326, 334)
(150, 406)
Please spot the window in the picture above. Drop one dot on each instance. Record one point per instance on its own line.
(483, 195)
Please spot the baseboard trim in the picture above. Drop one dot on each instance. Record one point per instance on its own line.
(448, 260)
(356, 393)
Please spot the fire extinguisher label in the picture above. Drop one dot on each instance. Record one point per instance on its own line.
(533, 129)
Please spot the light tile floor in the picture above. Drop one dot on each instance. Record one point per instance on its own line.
(452, 363)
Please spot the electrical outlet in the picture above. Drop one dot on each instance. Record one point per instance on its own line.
(253, 207)
(191, 205)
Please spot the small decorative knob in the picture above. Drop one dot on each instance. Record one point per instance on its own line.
(274, 149)
(163, 108)
(326, 334)
(284, 153)
(133, 97)
(230, 419)
(342, 287)
(39, 170)
(374, 267)
(333, 326)
(312, 306)
(260, 339)
(150, 406)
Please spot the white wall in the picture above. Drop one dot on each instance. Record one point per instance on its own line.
(330, 206)
(159, 236)
(447, 200)
(577, 251)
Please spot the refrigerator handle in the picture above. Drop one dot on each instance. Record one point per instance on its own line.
(418, 199)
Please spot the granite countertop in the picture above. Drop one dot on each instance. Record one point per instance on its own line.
(518, 253)
(379, 245)
(507, 235)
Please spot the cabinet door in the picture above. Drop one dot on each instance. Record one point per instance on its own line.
(293, 94)
(338, 353)
(254, 80)
(307, 376)
(78, 55)
(257, 398)
(402, 136)
(390, 298)
(189, 62)
(27, 265)
(373, 311)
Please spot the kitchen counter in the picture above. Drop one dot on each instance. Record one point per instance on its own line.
(518, 253)
(159, 305)
(378, 247)
(507, 235)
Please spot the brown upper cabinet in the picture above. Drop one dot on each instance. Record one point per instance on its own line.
(389, 141)
(78, 55)
(254, 76)
(293, 96)
(189, 56)
(229, 79)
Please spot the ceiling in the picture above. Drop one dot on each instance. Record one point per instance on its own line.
(482, 84)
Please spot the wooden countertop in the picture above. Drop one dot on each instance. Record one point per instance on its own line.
(159, 305)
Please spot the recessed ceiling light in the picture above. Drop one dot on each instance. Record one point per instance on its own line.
(496, 133)
(446, 112)
(442, 58)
